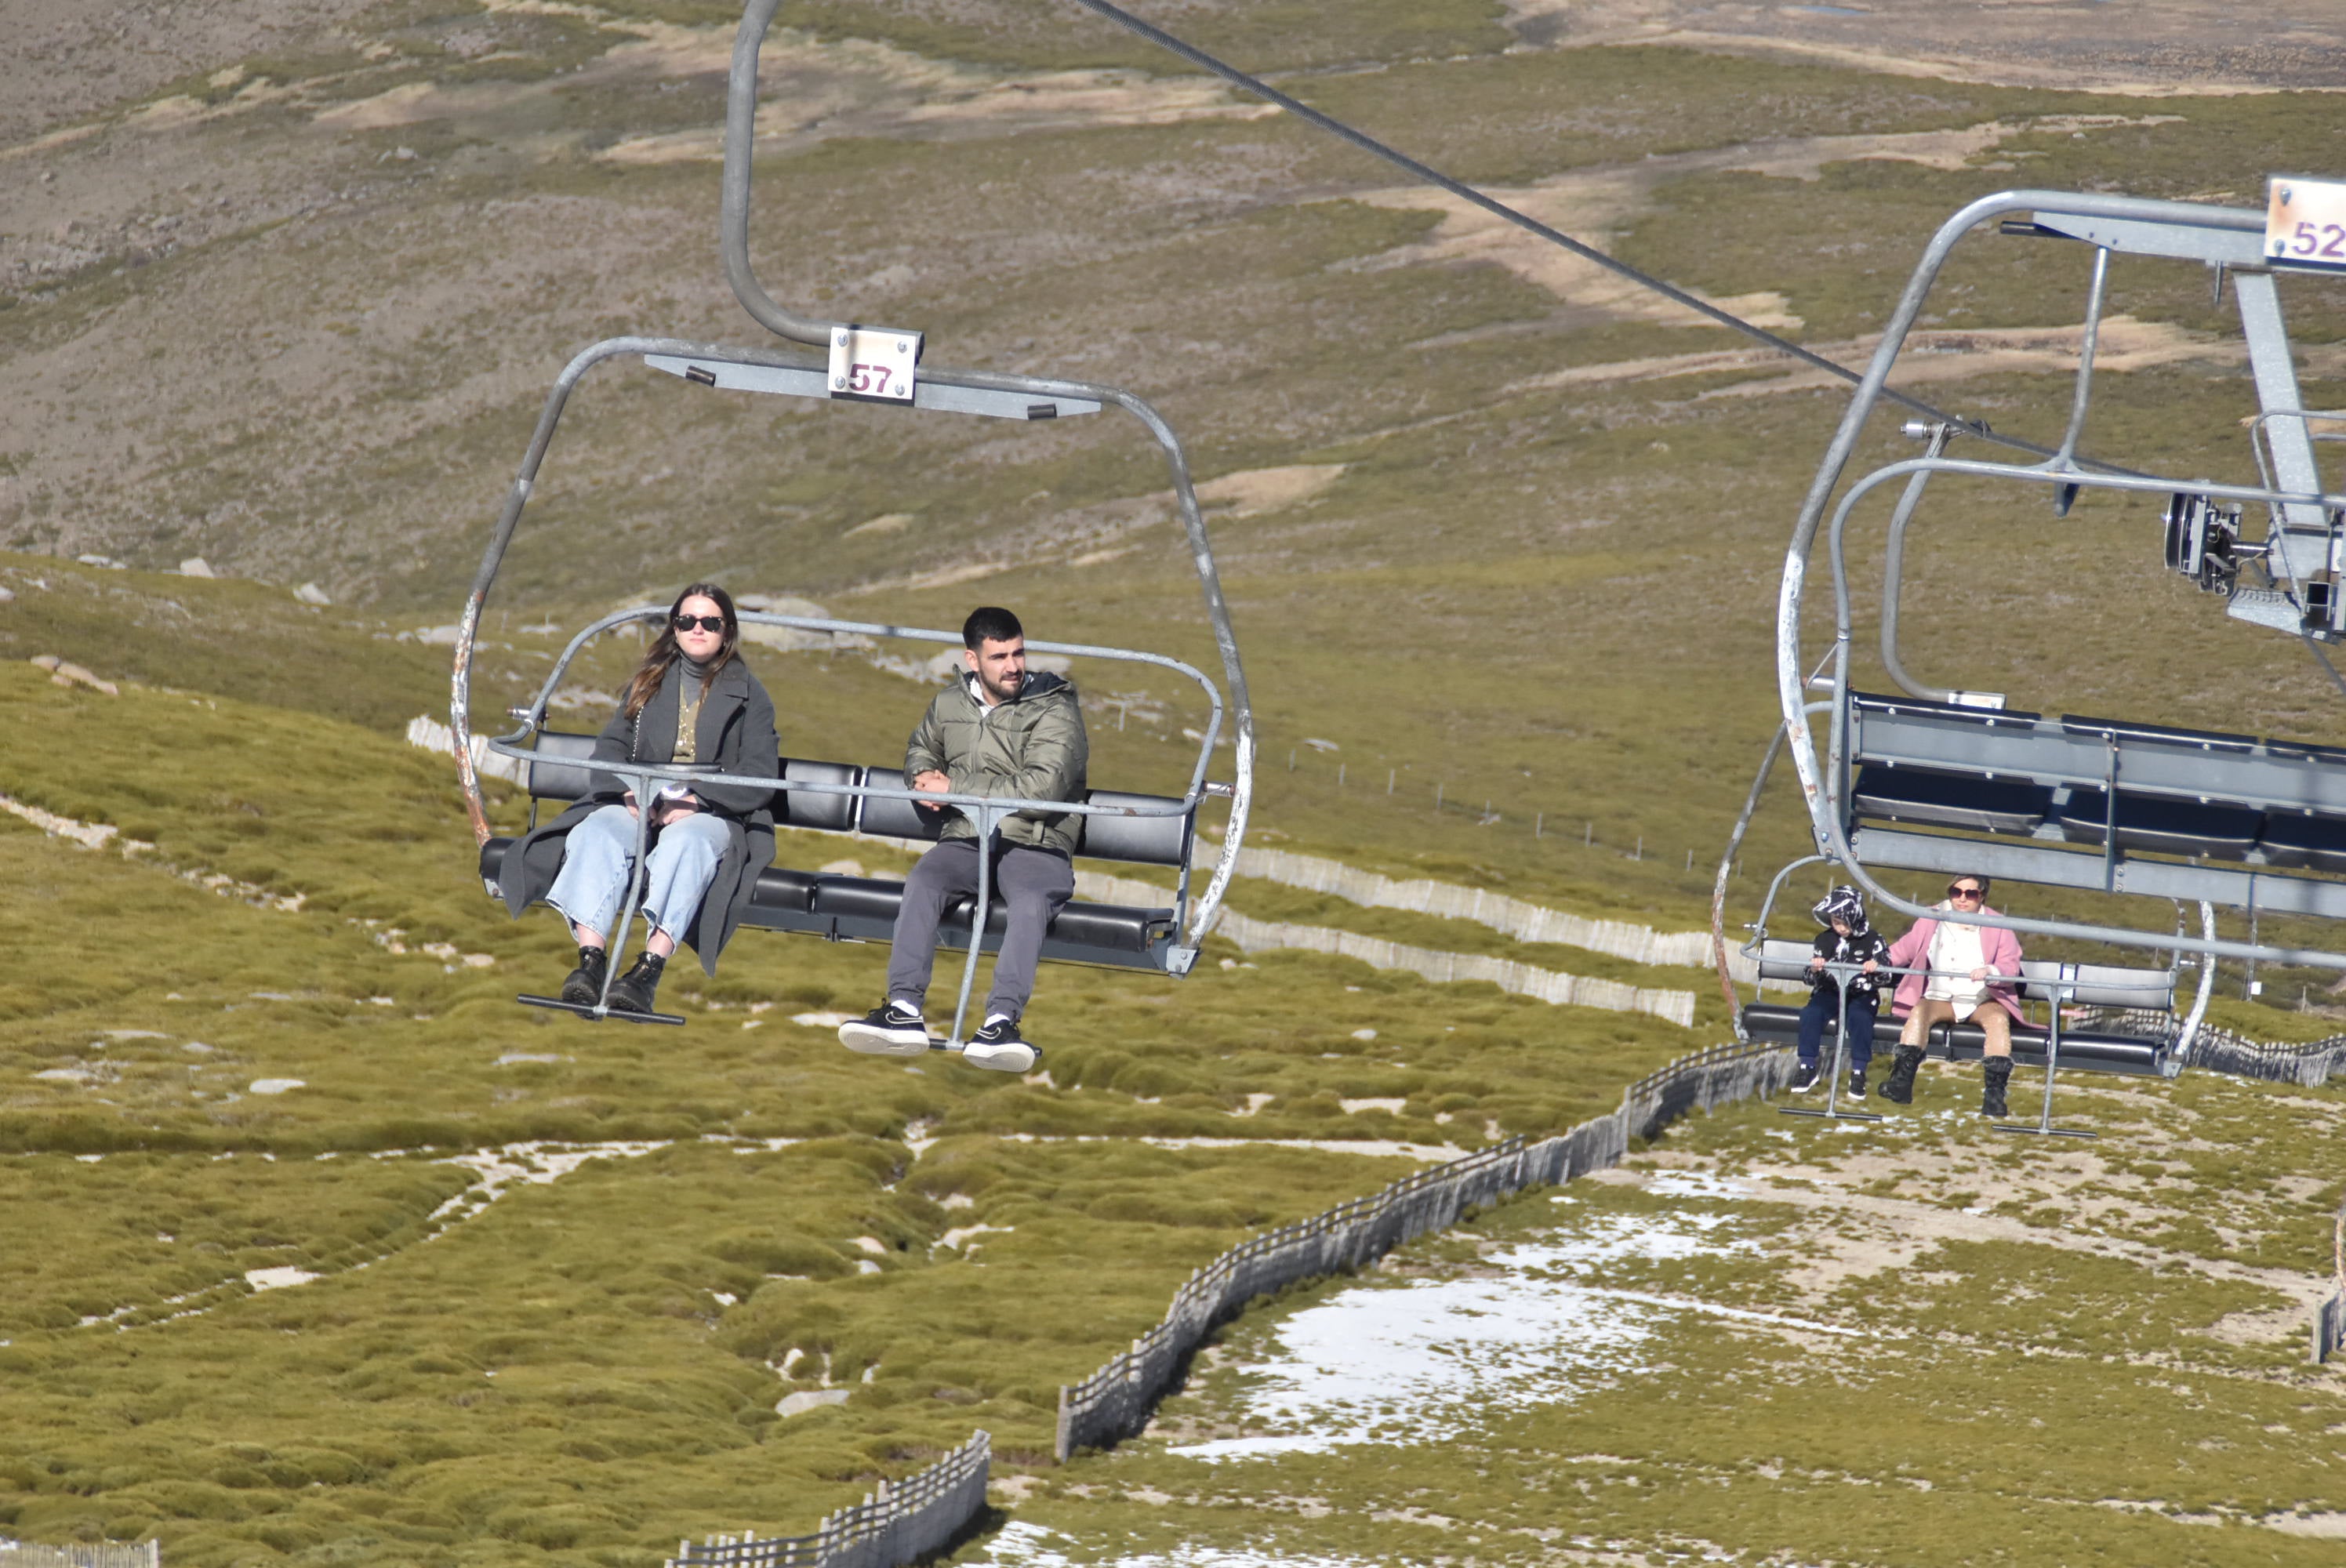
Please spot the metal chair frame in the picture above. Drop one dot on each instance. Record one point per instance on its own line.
(2301, 511)
(981, 393)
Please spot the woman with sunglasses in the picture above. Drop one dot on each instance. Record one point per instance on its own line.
(1965, 961)
(692, 701)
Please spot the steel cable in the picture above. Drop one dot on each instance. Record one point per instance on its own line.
(1500, 210)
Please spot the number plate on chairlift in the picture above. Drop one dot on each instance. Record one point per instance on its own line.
(873, 364)
(2305, 223)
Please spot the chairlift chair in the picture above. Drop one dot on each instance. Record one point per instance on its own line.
(871, 364)
(1942, 779)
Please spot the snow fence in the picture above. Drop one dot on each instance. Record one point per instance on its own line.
(893, 1526)
(1114, 1403)
(2329, 1318)
(2309, 1067)
(132, 1554)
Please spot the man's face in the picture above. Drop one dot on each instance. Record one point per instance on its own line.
(1001, 667)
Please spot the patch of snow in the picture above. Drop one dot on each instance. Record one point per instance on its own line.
(516, 1058)
(1396, 1105)
(276, 1279)
(274, 1086)
(807, 1399)
(823, 1020)
(1019, 1544)
(1365, 1033)
(1424, 1362)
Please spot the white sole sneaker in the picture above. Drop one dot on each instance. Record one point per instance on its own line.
(1017, 1058)
(869, 1040)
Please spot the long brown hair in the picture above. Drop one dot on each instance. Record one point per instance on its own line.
(664, 651)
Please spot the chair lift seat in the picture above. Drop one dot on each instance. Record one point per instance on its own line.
(1951, 800)
(2318, 843)
(863, 909)
(1780, 1025)
(2090, 1051)
(2168, 826)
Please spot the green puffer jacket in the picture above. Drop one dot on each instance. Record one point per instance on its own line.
(1031, 748)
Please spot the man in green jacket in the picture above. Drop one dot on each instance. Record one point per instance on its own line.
(997, 730)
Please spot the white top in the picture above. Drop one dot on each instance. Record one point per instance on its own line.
(1957, 948)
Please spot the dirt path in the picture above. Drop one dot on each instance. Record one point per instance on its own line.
(2147, 47)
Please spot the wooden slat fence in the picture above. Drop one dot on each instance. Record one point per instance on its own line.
(2307, 1065)
(109, 1554)
(2329, 1318)
(892, 1527)
(1114, 1402)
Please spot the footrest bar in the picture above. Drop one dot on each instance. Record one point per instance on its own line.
(2043, 1131)
(1833, 1115)
(556, 1005)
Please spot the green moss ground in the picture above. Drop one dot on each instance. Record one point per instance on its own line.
(1551, 597)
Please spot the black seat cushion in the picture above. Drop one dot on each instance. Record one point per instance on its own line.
(2168, 826)
(1951, 800)
(780, 889)
(804, 808)
(1150, 840)
(561, 778)
(1781, 1025)
(856, 898)
(2319, 843)
(2083, 1050)
(899, 819)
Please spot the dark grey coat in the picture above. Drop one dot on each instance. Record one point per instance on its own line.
(735, 734)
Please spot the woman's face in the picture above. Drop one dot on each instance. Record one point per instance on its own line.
(697, 643)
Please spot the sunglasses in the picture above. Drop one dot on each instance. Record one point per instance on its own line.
(1961, 892)
(706, 623)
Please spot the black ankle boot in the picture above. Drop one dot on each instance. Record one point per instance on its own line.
(1899, 1086)
(1996, 1073)
(633, 991)
(583, 987)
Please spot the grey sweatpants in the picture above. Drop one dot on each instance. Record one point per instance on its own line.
(1035, 884)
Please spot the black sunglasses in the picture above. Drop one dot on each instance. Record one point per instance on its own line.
(706, 623)
(1959, 893)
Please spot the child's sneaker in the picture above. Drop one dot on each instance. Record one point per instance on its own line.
(1804, 1078)
(1857, 1082)
(891, 1029)
(999, 1046)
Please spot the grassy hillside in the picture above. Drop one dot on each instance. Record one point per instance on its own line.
(325, 1251)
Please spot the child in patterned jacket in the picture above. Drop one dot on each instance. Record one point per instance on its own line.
(1847, 939)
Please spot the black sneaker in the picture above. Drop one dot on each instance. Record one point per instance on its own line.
(998, 1045)
(891, 1029)
(1857, 1082)
(633, 991)
(1804, 1078)
(583, 986)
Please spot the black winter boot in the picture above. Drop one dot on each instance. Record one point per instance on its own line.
(633, 991)
(1996, 1073)
(1899, 1086)
(583, 987)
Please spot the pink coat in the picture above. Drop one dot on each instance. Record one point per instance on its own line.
(2000, 947)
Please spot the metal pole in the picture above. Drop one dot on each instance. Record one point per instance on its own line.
(976, 924)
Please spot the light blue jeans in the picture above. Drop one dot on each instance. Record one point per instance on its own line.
(599, 856)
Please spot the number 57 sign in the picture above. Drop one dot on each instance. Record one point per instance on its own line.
(873, 364)
(2305, 223)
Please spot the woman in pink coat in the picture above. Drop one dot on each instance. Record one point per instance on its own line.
(1965, 960)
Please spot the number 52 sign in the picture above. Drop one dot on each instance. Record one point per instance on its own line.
(2305, 223)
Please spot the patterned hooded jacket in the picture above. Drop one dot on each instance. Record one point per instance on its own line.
(1863, 943)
